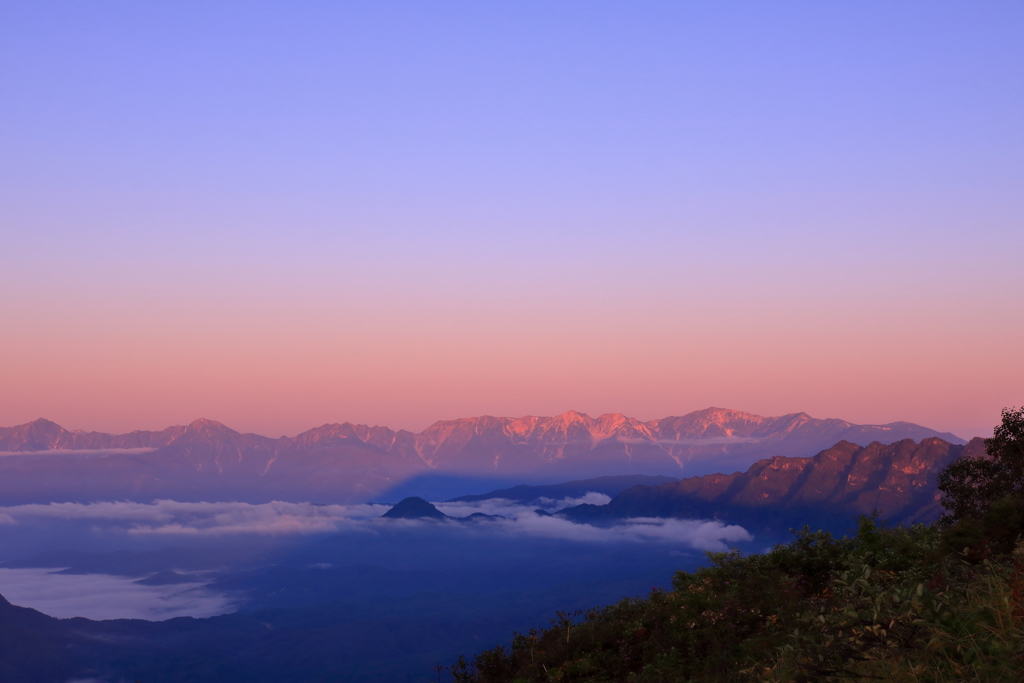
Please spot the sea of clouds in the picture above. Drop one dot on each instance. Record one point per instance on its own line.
(168, 517)
(102, 596)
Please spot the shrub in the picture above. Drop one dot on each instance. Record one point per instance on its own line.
(888, 604)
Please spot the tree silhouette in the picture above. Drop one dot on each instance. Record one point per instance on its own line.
(984, 496)
(972, 485)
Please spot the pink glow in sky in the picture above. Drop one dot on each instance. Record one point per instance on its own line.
(292, 216)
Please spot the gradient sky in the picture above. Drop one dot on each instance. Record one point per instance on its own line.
(280, 214)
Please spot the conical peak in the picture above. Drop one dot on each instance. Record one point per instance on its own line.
(38, 426)
(204, 425)
(414, 507)
(42, 422)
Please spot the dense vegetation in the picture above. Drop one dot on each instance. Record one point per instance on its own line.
(934, 603)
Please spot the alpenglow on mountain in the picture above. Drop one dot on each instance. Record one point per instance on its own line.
(354, 463)
(899, 481)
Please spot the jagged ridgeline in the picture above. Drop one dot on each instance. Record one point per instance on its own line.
(344, 463)
(899, 481)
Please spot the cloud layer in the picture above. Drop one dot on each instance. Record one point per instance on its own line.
(101, 596)
(173, 517)
(523, 520)
(168, 517)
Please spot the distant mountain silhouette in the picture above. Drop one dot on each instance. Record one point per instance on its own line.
(414, 508)
(525, 494)
(898, 480)
(353, 463)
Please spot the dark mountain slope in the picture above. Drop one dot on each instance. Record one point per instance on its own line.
(531, 495)
(392, 639)
(34, 648)
(414, 508)
(898, 480)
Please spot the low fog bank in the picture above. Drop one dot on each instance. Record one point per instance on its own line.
(523, 519)
(177, 519)
(85, 559)
(104, 596)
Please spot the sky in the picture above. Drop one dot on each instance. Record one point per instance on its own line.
(281, 214)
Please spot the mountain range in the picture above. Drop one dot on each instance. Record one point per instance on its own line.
(44, 462)
(899, 481)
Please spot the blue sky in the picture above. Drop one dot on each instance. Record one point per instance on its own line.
(705, 176)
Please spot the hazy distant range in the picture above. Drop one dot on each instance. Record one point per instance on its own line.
(345, 463)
